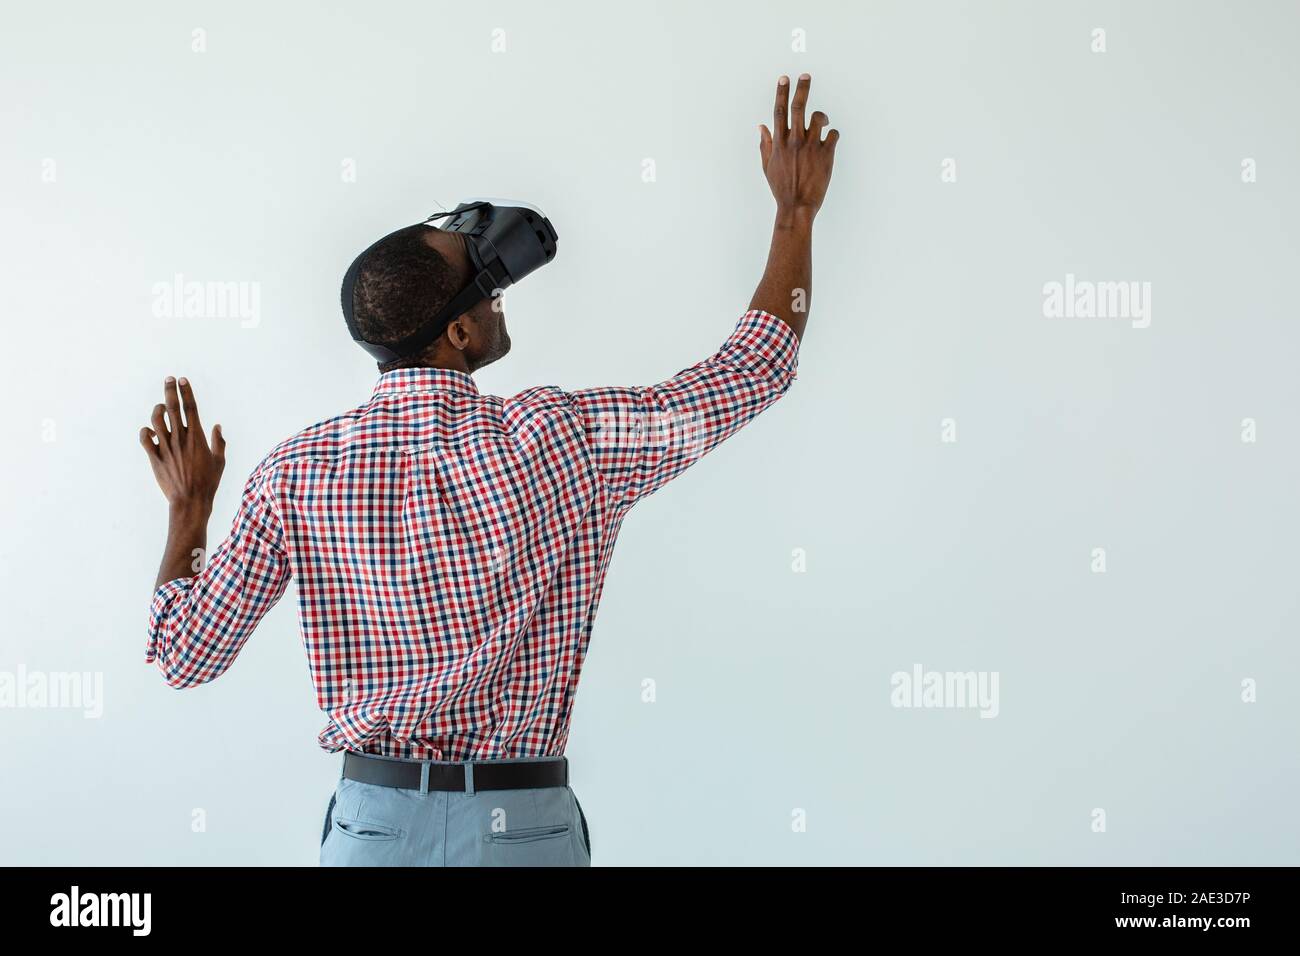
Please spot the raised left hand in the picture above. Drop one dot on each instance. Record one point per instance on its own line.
(187, 467)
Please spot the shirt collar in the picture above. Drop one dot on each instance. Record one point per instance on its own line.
(405, 380)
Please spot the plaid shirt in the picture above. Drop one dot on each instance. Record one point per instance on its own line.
(450, 547)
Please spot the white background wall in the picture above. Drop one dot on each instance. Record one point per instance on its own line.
(1120, 691)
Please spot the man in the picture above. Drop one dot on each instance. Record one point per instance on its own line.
(450, 547)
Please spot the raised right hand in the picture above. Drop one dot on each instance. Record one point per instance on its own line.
(797, 161)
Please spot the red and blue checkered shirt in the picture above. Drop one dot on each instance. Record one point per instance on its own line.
(450, 547)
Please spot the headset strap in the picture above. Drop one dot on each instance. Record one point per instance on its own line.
(481, 287)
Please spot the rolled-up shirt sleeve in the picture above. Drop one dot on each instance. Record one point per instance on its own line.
(198, 625)
(641, 437)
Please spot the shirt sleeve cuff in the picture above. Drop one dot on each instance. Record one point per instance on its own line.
(160, 611)
(770, 339)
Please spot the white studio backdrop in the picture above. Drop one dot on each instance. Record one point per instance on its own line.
(939, 492)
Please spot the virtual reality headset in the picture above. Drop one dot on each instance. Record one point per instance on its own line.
(506, 241)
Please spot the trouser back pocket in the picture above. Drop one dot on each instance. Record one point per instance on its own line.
(363, 830)
(528, 834)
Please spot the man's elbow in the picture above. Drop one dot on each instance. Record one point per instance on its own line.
(179, 677)
(178, 680)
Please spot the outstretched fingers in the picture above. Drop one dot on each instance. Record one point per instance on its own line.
(172, 399)
(816, 125)
(218, 443)
(191, 408)
(147, 442)
(798, 125)
(160, 429)
(781, 115)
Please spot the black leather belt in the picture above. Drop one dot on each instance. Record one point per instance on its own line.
(467, 777)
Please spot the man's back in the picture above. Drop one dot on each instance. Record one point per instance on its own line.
(450, 547)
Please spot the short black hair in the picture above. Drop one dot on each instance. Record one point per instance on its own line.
(402, 283)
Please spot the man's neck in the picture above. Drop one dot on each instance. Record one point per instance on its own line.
(454, 364)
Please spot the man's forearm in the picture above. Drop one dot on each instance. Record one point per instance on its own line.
(187, 531)
(786, 287)
(797, 163)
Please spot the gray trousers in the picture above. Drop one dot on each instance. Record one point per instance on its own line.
(370, 825)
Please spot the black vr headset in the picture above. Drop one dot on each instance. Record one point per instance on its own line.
(506, 241)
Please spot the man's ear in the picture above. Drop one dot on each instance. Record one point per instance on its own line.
(458, 333)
